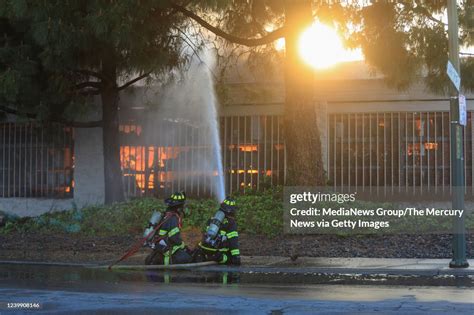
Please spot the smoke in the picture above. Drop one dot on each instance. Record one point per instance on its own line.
(186, 117)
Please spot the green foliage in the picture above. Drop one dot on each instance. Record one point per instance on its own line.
(9, 226)
(128, 217)
(257, 214)
(406, 40)
(49, 49)
(261, 212)
(403, 40)
(201, 211)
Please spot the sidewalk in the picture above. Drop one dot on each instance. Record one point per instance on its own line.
(392, 266)
(316, 265)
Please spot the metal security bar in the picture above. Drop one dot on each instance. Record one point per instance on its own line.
(154, 164)
(395, 150)
(36, 160)
(252, 153)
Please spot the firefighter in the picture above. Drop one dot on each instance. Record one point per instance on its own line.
(221, 239)
(168, 247)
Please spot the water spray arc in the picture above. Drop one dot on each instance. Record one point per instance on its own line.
(190, 104)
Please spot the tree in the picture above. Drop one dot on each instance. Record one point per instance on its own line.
(248, 18)
(401, 39)
(407, 39)
(64, 52)
(55, 56)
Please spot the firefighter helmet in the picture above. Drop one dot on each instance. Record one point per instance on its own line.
(228, 206)
(175, 200)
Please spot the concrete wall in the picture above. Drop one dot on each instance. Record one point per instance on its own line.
(338, 92)
(89, 183)
(30, 207)
(88, 179)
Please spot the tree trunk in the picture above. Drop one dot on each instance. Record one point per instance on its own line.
(110, 134)
(303, 144)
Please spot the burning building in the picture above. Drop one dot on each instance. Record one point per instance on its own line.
(372, 136)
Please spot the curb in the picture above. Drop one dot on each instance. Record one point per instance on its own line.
(283, 270)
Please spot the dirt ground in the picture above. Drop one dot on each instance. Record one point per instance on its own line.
(88, 249)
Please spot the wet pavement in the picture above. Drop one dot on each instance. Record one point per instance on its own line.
(367, 265)
(79, 290)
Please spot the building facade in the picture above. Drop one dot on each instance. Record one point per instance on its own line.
(372, 137)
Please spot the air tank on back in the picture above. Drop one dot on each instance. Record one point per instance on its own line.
(154, 220)
(215, 224)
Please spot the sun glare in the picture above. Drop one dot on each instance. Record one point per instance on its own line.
(321, 47)
(280, 44)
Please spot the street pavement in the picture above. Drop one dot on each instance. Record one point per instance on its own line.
(395, 266)
(235, 299)
(267, 285)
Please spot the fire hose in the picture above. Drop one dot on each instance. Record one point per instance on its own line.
(139, 244)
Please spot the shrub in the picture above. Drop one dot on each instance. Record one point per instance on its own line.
(259, 213)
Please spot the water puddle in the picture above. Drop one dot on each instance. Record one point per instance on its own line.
(75, 276)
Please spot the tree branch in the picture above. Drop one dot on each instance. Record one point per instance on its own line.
(133, 81)
(422, 10)
(188, 41)
(270, 37)
(76, 124)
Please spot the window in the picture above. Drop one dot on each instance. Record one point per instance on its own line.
(253, 151)
(394, 149)
(152, 163)
(36, 160)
